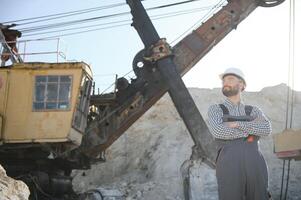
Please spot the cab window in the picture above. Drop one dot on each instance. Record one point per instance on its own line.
(52, 92)
(82, 105)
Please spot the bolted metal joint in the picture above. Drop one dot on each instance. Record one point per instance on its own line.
(159, 51)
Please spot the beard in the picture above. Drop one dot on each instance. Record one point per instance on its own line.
(229, 91)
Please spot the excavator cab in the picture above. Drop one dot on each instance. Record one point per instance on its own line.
(44, 102)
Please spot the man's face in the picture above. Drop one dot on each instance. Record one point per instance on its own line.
(232, 85)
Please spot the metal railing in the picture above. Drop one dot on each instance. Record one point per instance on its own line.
(40, 47)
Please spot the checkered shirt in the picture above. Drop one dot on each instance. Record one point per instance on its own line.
(260, 126)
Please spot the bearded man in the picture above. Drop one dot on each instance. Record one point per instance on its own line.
(241, 170)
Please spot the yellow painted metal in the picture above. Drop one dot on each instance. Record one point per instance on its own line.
(288, 140)
(21, 122)
(3, 89)
(3, 96)
(0, 125)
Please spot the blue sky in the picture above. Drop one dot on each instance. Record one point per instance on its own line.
(259, 46)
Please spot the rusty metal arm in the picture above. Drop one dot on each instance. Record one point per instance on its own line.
(134, 99)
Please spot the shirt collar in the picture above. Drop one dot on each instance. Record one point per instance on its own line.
(231, 105)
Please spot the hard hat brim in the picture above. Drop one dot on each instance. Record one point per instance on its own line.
(221, 76)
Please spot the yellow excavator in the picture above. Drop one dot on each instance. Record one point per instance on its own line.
(51, 122)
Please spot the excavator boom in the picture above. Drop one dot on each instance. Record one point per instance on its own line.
(135, 98)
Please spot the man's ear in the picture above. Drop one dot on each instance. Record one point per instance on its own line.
(243, 87)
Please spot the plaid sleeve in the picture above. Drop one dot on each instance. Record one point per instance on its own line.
(218, 128)
(260, 126)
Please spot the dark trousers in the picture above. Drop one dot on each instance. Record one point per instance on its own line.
(241, 172)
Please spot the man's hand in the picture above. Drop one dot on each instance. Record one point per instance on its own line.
(231, 124)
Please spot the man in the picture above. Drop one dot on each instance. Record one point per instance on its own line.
(241, 170)
(8, 38)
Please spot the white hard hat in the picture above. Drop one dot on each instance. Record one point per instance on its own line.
(233, 71)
